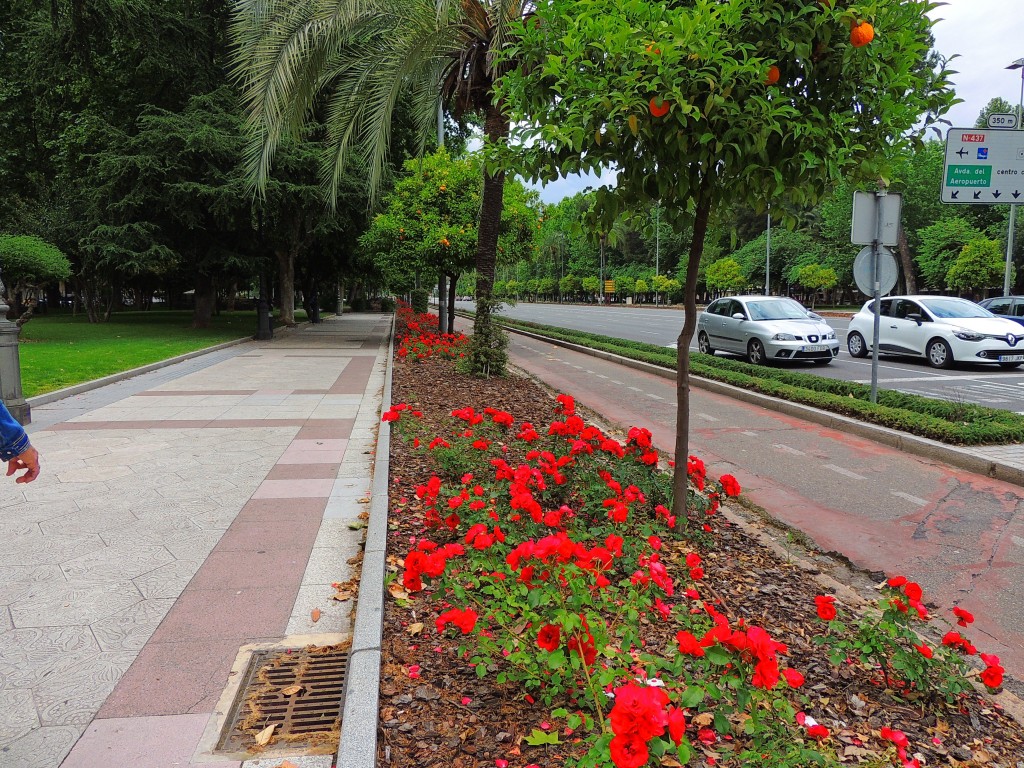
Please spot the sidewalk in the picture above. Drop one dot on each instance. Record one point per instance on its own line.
(180, 515)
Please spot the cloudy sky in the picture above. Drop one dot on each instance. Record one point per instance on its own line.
(988, 35)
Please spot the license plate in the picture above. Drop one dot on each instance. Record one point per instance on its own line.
(1011, 358)
(822, 348)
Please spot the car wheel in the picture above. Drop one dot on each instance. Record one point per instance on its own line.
(755, 353)
(1010, 366)
(939, 354)
(856, 344)
(704, 344)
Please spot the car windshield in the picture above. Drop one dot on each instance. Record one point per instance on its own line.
(776, 309)
(947, 308)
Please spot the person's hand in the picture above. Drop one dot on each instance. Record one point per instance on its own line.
(27, 459)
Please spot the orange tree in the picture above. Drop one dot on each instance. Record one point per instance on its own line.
(682, 98)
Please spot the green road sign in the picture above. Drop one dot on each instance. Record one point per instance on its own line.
(969, 176)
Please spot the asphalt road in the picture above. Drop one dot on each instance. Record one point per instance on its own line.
(967, 383)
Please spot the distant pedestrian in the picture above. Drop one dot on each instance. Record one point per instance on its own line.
(15, 448)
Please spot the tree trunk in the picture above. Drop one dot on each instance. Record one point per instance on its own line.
(451, 303)
(906, 262)
(205, 296)
(487, 353)
(286, 267)
(442, 303)
(680, 477)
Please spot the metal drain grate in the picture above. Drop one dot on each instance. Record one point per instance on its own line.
(300, 691)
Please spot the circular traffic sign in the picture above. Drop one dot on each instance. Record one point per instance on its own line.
(888, 270)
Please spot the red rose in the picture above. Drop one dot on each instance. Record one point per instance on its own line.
(993, 676)
(730, 485)
(549, 636)
(676, 725)
(628, 752)
(689, 645)
(826, 609)
(963, 617)
(793, 678)
(924, 650)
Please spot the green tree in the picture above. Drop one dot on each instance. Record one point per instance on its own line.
(369, 53)
(980, 265)
(725, 275)
(994, 107)
(29, 263)
(941, 244)
(814, 278)
(594, 72)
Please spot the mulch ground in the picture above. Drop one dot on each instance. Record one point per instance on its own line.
(446, 717)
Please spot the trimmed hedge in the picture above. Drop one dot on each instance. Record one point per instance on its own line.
(948, 422)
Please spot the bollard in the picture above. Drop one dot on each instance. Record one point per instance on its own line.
(10, 366)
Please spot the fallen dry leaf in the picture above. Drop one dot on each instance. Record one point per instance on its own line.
(415, 629)
(364, 515)
(364, 500)
(291, 690)
(703, 719)
(397, 592)
(263, 737)
(315, 615)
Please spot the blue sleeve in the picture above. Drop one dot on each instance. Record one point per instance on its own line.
(13, 439)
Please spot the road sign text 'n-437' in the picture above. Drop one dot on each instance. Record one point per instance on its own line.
(983, 166)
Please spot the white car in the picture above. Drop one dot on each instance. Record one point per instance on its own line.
(765, 329)
(942, 329)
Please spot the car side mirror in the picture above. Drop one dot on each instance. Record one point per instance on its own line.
(738, 316)
(814, 316)
(916, 317)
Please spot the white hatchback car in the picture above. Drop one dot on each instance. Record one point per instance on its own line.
(942, 329)
(765, 329)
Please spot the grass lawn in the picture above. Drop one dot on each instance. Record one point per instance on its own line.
(60, 350)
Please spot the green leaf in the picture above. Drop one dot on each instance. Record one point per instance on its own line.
(691, 697)
(539, 737)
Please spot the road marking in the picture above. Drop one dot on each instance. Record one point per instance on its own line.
(708, 417)
(786, 449)
(616, 381)
(845, 472)
(655, 397)
(749, 433)
(600, 376)
(635, 389)
(912, 499)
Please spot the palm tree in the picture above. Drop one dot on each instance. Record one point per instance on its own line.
(362, 57)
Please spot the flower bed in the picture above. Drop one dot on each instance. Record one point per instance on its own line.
(549, 611)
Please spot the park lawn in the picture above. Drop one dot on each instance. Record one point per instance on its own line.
(59, 351)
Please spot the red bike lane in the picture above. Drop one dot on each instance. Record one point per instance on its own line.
(957, 533)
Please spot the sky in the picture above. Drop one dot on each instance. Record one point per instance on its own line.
(988, 35)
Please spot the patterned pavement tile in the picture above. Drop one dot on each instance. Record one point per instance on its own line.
(168, 581)
(88, 521)
(121, 561)
(49, 550)
(78, 686)
(40, 748)
(17, 715)
(70, 604)
(129, 629)
(29, 655)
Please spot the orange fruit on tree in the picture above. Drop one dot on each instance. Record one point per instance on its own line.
(861, 35)
(659, 107)
(773, 75)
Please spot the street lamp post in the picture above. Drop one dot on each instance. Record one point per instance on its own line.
(1018, 64)
(657, 248)
(768, 255)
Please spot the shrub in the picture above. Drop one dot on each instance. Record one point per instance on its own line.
(418, 298)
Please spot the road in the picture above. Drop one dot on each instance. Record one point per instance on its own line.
(959, 534)
(967, 383)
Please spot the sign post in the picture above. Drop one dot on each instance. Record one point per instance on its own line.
(876, 222)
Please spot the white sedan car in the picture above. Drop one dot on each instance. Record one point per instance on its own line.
(942, 329)
(765, 329)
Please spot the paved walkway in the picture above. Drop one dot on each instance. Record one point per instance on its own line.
(180, 515)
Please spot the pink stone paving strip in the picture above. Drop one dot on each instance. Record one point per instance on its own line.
(294, 489)
(352, 380)
(301, 472)
(141, 742)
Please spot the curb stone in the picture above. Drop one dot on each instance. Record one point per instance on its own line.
(357, 745)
